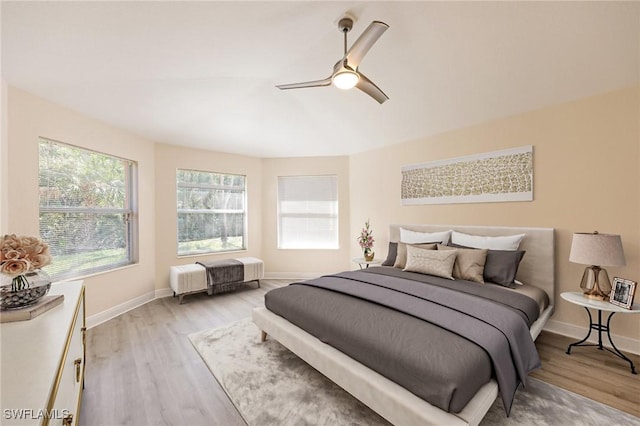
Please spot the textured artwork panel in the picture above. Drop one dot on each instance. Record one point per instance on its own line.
(505, 175)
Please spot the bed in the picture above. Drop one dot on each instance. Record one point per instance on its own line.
(380, 391)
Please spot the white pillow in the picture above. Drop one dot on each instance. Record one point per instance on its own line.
(413, 237)
(432, 262)
(509, 242)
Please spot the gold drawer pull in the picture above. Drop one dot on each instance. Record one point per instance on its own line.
(67, 420)
(78, 363)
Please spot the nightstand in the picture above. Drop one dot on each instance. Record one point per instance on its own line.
(364, 264)
(577, 298)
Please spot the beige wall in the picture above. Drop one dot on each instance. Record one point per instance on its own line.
(4, 148)
(4, 159)
(285, 263)
(168, 158)
(586, 177)
(29, 118)
(580, 148)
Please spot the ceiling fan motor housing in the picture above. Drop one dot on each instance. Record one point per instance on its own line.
(345, 24)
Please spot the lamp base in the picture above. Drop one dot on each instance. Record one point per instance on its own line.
(595, 296)
(595, 283)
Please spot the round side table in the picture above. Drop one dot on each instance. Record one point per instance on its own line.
(364, 264)
(577, 298)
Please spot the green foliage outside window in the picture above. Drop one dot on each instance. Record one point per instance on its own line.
(86, 210)
(211, 212)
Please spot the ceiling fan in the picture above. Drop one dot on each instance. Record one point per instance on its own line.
(345, 72)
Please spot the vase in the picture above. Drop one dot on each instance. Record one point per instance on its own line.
(368, 255)
(18, 291)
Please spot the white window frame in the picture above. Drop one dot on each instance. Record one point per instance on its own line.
(243, 211)
(128, 212)
(307, 212)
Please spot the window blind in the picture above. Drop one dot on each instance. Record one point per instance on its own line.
(308, 212)
(211, 212)
(87, 204)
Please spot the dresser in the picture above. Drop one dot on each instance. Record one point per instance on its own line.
(42, 363)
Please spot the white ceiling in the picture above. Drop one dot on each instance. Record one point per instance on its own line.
(202, 74)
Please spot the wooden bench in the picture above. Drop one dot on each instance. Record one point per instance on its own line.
(192, 278)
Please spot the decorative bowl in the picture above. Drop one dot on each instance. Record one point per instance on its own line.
(30, 287)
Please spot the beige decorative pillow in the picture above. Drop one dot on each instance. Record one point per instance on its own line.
(432, 262)
(469, 263)
(401, 256)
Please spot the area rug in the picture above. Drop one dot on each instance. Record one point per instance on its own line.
(269, 385)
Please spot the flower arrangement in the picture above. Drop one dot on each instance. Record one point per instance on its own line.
(365, 239)
(22, 254)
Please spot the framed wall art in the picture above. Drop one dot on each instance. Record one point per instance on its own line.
(496, 176)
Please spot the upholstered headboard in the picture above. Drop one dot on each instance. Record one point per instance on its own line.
(537, 267)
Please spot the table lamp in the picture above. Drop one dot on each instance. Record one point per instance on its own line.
(596, 250)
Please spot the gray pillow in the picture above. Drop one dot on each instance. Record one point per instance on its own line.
(501, 266)
(391, 256)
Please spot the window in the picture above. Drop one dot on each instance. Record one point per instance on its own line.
(211, 212)
(86, 209)
(308, 212)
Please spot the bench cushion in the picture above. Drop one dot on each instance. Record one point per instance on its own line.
(253, 268)
(187, 278)
(193, 277)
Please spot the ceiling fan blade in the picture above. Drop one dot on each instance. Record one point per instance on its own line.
(366, 40)
(368, 87)
(315, 83)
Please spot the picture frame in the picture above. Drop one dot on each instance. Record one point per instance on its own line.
(496, 176)
(622, 292)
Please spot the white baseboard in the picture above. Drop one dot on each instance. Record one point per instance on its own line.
(164, 292)
(120, 309)
(625, 344)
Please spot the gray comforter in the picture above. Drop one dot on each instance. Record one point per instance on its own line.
(438, 342)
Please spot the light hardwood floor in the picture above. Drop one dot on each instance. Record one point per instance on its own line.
(142, 370)
(590, 372)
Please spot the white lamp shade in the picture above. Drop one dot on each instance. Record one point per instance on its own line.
(345, 79)
(597, 249)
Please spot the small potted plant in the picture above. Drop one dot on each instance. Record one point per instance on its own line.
(365, 239)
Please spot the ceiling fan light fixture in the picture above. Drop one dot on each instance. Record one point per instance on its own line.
(345, 79)
(345, 73)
